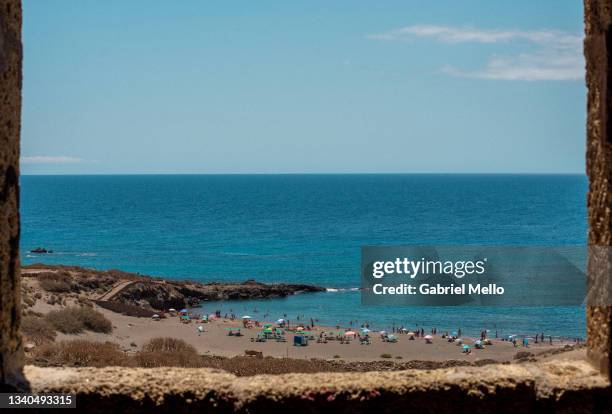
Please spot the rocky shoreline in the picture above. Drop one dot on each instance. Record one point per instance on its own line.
(150, 293)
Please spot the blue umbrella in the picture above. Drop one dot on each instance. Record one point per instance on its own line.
(184, 311)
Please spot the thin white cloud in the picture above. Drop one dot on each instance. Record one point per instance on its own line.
(558, 54)
(43, 159)
(449, 34)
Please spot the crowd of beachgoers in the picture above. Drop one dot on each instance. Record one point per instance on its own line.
(218, 332)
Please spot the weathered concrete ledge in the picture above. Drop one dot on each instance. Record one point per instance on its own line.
(562, 385)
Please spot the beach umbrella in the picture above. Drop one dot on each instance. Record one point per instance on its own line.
(280, 321)
(466, 347)
(184, 311)
(384, 332)
(246, 317)
(171, 310)
(349, 333)
(299, 328)
(428, 337)
(200, 328)
(365, 330)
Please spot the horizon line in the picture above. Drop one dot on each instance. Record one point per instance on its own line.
(306, 173)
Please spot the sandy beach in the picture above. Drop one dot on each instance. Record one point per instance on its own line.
(131, 333)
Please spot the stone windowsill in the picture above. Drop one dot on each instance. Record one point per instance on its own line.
(567, 385)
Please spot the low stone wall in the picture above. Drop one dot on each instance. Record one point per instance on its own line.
(566, 386)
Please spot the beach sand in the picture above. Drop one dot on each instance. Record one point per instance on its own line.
(131, 333)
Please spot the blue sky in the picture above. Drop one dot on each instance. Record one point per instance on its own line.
(291, 87)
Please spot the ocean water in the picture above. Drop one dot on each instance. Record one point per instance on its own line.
(304, 229)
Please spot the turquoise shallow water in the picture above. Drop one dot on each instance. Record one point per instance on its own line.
(306, 229)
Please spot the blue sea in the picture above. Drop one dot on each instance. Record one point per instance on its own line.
(304, 229)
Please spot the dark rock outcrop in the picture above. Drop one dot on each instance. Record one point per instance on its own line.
(158, 294)
(170, 294)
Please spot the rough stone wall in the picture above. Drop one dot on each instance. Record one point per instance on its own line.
(10, 123)
(559, 386)
(598, 53)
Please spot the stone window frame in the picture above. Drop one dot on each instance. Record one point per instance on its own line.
(565, 385)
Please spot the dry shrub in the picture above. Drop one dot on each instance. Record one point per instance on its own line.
(168, 352)
(94, 320)
(55, 282)
(168, 359)
(55, 286)
(29, 301)
(37, 330)
(75, 320)
(65, 321)
(167, 345)
(81, 353)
